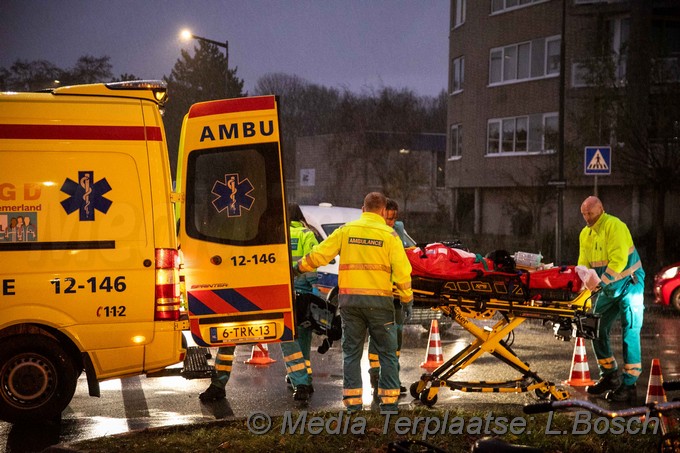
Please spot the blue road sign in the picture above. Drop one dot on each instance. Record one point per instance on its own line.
(598, 160)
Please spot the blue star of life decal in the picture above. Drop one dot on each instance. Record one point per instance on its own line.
(86, 195)
(233, 194)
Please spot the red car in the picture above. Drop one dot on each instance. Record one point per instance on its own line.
(667, 286)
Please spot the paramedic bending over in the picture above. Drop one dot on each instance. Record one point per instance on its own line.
(607, 246)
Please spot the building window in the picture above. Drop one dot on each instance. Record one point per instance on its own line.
(609, 70)
(456, 149)
(458, 71)
(493, 145)
(552, 55)
(508, 135)
(499, 6)
(510, 63)
(550, 132)
(460, 13)
(531, 134)
(619, 31)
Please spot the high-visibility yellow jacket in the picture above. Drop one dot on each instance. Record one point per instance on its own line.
(372, 257)
(608, 248)
(302, 240)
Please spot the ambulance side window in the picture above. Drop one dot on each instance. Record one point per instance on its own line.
(234, 195)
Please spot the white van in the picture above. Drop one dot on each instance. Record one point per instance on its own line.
(325, 218)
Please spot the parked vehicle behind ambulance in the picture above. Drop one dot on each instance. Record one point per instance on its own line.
(89, 262)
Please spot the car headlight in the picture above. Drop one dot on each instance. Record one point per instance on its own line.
(669, 273)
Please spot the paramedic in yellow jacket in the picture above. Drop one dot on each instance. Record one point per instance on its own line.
(371, 258)
(607, 246)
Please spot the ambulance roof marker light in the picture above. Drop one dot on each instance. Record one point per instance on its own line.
(158, 87)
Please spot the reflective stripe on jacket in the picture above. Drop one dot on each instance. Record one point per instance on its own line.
(608, 248)
(371, 258)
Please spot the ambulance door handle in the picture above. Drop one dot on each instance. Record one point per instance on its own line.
(216, 260)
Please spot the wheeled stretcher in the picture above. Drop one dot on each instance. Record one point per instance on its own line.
(469, 288)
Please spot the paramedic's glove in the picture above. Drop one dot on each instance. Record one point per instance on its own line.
(296, 271)
(408, 310)
(605, 290)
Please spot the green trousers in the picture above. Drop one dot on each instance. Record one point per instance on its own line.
(382, 331)
(296, 355)
(223, 363)
(629, 307)
(373, 361)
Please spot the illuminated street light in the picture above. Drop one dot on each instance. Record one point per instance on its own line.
(187, 35)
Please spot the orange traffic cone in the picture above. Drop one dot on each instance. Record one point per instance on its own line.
(655, 391)
(260, 355)
(434, 356)
(579, 376)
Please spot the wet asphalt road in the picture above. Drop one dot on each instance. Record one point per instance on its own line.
(139, 402)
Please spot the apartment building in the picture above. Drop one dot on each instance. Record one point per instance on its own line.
(521, 69)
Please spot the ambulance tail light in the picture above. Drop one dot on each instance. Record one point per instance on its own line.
(167, 285)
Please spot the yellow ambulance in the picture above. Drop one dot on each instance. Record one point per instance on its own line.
(93, 240)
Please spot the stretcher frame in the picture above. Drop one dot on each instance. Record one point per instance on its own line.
(570, 318)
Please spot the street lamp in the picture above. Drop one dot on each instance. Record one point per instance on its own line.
(187, 35)
(559, 228)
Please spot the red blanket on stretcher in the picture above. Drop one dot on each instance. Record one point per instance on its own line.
(442, 262)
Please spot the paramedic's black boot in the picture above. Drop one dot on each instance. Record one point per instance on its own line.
(375, 377)
(402, 390)
(212, 394)
(301, 393)
(610, 381)
(624, 393)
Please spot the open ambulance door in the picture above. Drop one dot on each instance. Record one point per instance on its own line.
(233, 231)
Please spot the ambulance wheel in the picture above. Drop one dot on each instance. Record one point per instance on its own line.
(37, 379)
(429, 397)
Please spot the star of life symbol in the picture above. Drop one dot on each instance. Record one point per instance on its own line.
(233, 194)
(86, 196)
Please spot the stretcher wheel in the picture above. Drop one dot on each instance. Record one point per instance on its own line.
(542, 394)
(429, 397)
(415, 389)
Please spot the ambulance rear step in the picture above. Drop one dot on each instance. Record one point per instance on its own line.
(195, 365)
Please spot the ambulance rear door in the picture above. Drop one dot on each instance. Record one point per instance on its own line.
(232, 223)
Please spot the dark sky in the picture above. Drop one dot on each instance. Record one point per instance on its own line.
(354, 44)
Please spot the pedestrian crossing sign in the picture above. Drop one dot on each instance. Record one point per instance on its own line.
(598, 160)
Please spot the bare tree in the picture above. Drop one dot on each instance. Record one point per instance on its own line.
(305, 109)
(531, 202)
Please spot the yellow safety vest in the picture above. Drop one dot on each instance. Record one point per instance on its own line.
(608, 248)
(372, 257)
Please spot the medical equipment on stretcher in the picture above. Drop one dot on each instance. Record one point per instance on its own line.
(469, 288)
